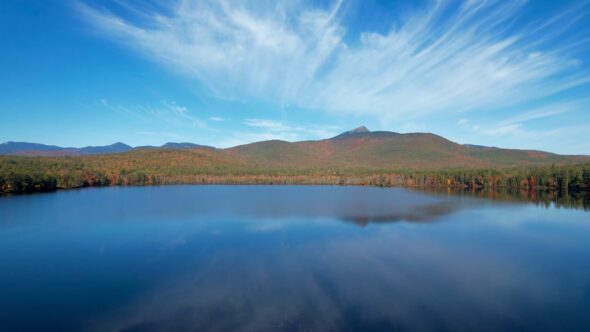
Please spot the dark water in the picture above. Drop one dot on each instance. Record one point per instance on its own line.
(295, 258)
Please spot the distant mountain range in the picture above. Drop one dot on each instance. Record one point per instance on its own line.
(35, 149)
(358, 148)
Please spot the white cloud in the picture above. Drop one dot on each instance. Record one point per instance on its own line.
(216, 118)
(439, 60)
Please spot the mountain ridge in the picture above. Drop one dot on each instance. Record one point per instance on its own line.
(356, 148)
(43, 150)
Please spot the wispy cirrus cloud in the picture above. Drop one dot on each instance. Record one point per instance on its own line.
(296, 131)
(449, 57)
(516, 125)
(270, 125)
(168, 112)
(266, 129)
(171, 135)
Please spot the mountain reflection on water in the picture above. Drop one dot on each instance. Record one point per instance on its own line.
(418, 213)
(289, 258)
(360, 205)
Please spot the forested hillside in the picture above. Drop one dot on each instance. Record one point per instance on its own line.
(355, 157)
(152, 167)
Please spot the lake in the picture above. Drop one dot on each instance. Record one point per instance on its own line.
(289, 258)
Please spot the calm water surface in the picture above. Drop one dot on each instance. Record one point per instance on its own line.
(289, 258)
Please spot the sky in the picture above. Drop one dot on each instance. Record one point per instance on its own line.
(510, 74)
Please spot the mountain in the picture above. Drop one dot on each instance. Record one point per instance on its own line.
(362, 130)
(172, 145)
(35, 149)
(113, 148)
(359, 148)
(17, 147)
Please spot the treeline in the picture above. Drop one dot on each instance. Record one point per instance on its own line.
(34, 174)
(542, 198)
(554, 178)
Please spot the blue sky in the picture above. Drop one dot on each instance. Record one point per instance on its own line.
(502, 73)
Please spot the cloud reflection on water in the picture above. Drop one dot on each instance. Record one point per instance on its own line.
(387, 282)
